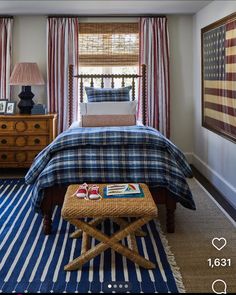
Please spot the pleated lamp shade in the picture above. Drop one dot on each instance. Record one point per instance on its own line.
(26, 73)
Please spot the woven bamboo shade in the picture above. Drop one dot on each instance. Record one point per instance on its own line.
(108, 44)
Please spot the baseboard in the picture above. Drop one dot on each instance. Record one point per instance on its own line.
(221, 190)
(220, 199)
(221, 184)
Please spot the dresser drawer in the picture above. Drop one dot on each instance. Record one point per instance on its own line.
(39, 141)
(32, 126)
(20, 158)
(38, 126)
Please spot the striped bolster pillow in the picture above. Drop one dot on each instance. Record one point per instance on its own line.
(108, 94)
(108, 120)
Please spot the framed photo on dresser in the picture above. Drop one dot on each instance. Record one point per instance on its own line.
(10, 108)
(219, 77)
(3, 105)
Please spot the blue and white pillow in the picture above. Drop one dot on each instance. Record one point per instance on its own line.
(108, 94)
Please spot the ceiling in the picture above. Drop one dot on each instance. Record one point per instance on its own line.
(105, 7)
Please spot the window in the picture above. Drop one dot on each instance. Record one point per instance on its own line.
(108, 44)
(108, 48)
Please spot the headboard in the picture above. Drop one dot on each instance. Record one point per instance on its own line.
(112, 77)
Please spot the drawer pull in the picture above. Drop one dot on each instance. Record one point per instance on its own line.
(4, 126)
(3, 157)
(37, 141)
(37, 126)
(3, 141)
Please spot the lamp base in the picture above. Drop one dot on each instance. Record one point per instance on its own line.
(26, 103)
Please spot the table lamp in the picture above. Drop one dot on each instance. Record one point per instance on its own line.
(26, 74)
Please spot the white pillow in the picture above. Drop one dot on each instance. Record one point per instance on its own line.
(76, 124)
(108, 108)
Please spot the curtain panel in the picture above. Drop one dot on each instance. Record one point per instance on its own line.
(6, 25)
(63, 34)
(154, 52)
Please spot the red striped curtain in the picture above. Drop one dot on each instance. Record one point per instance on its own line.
(154, 52)
(63, 35)
(6, 25)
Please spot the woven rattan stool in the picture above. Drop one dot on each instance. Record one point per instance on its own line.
(142, 209)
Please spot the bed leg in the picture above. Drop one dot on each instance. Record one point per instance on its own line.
(170, 215)
(47, 224)
(170, 220)
(47, 208)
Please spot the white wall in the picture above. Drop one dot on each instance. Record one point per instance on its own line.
(181, 81)
(214, 155)
(29, 45)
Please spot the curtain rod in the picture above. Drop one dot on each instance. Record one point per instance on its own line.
(108, 15)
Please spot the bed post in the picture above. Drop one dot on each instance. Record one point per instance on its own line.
(70, 92)
(144, 94)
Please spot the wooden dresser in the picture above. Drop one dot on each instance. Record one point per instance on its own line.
(22, 137)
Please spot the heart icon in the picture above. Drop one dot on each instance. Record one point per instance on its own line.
(219, 243)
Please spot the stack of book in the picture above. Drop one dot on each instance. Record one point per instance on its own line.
(38, 109)
(123, 190)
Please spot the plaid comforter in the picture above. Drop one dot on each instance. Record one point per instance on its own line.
(108, 155)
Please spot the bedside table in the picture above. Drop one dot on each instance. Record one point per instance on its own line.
(22, 137)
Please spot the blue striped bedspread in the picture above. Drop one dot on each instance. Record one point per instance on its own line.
(111, 155)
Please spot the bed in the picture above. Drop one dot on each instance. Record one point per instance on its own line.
(110, 154)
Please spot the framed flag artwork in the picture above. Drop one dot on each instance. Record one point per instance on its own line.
(218, 45)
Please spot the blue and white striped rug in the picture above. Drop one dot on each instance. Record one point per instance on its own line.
(31, 262)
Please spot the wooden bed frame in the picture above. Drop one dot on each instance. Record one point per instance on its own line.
(55, 195)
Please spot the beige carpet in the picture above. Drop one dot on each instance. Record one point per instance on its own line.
(191, 243)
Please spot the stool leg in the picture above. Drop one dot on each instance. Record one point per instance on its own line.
(133, 243)
(110, 242)
(121, 222)
(86, 243)
(78, 233)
